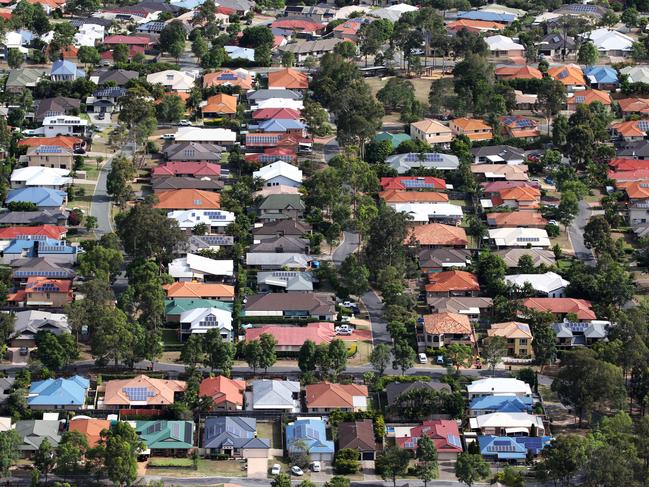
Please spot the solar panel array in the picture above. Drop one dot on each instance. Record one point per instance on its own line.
(284, 274)
(582, 8)
(262, 139)
(46, 287)
(218, 239)
(417, 183)
(577, 327)
(427, 157)
(643, 125)
(228, 77)
(139, 394)
(52, 249)
(49, 149)
(527, 239)
(214, 215)
(580, 99)
(563, 74)
(454, 440)
(501, 446)
(20, 273)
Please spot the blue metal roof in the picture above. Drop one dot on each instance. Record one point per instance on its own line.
(41, 197)
(45, 246)
(503, 404)
(280, 125)
(511, 447)
(59, 392)
(601, 74)
(486, 16)
(312, 432)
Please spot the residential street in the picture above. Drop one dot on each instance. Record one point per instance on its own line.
(347, 246)
(576, 234)
(101, 203)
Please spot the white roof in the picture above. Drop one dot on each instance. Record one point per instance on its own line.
(502, 9)
(191, 264)
(498, 386)
(545, 16)
(278, 259)
(274, 394)
(610, 40)
(190, 218)
(520, 237)
(423, 212)
(545, 283)
(195, 315)
(503, 43)
(279, 103)
(506, 420)
(636, 74)
(393, 12)
(199, 134)
(41, 176)
(178, 80)
(279, 168)
(64, 120)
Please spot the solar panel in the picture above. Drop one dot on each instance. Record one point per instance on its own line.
(454, 440)
(643, 125)
(49, 149)
(563, 74)
(580, 98)
(138, 393)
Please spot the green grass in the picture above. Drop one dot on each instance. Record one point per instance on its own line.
(170, 336)
(206, 468)
(92, 173)
(171, 462)
(272, 431)
(548, 394)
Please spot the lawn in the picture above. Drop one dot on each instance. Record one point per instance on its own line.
(422, 87)
(92, 173)
(206, 468)
(272, 431)
(362, 354)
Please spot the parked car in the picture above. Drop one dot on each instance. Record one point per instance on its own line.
(167, 136)
(344, 330)
(348, 304)
(553, 222)
(439, 360)
(23, 351)
(277, 468)
(295, 470)
(185, 123)
(101, 116)
(422, 359)
(315, 466)
(345, 318)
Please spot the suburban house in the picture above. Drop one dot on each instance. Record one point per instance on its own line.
(539, 257)
(473, 128)
(28, 323)
(518, 335)
(139, 392)
(325, 397)
(506, 403)
(403, 163)
(294, 305)
(437, 235)
(358, 435)
(602, 77)
(611, 43)
(285, 281)
(59, 105)
(512, 448)
(61, 393)
(218, 106)
(587, 97)
(29, 246)
(90, 428)
(422, 213)
(282, 245)
(32, 432)
(563, 308)
(557, 45)
(507, 72)
(188, 199)
(497, 386)
(442, 329)
(630, 130)
(498, 154)
(226, 394)
(65, 125)
(413, 183)
(281, 206)
(395, 389)
(280, 228)
(277, 259)
(633, 106)
(43, 198)
(517, 126)
(196, 268)
(289, 79)
(275, 395)
(518, 198)
(174, 308)
(549, 284)
(291, 338)
(215, 220)
(501, 172)
(441, 259)
(578, 334)
(431, 131)
(394, 196)
(452, 283)
(172, 80)
(63, 70)
(480, 26)
(41, 291)
(228, 77)
(170, 183)
(570, 75)
(523, 219)
(198, 170)
(192, 151)
(304, 49)
(44, 177)
(444, 433)
(166, 438)
(279, 173)
(202, 320)
(519, 237)
(503, 46)
(235, 437)
(218, 291)
(507, 424)
(311, 433)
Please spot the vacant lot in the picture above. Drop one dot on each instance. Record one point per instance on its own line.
(422, 86)
(206, 468)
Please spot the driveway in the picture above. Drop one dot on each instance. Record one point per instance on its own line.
(257, 468)
(576, 234)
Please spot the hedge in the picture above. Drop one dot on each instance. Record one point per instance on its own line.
(384, 380)
(170, 463)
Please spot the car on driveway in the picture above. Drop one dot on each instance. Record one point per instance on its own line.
(315, 466)
(295, 470)
(422, 359)
(344, 330)
(277, 468)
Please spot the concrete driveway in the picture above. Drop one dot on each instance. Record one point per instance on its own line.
(257, 468)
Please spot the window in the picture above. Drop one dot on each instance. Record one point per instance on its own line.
(523, 341)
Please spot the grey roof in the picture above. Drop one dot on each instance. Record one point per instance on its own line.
(236, 432)
(33, 431)
(193, 151)
(505, 152)
(6, 384)
(278, 93)
(56, 105)
(267, 394)
(281, 244)
(445, 257)
(282, 227)
(306, 47)
(282, 202)
(39, 266)
(539, 256)
(28, 323)
(315, 304)
(91, 20)
(23, 77)
(556, 41)
(395, 389)
(199, 242)
(294, 280)
(590, 330)
(119, 76)
(458, 304)
(278, 259)
(635, 149)
(41, 217)
(185, 182)
(156, 6)
(238, 5)
(403, 163)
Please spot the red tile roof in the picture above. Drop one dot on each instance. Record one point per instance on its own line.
(444, 433)
(128, 40)
(276, 113)
(452, 281)
(297, 25)
(292, 336)
(327, 395)
(448, 323)
(221, 389)
(427, 182)
(50, 231)
(188, 199)
(581, 307)
(288, 78)
(438, 234)
(59, 141)
(190, 168)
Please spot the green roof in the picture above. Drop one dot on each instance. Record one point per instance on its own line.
(180, 305)
(164, 434)
(394, 139)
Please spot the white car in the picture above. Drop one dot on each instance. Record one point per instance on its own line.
(422, 358)
(295, 470)
(167, 136)
(277, 468)
(343, 330)
(315, 466)
(348, 304)
(345, 318)
(185, 123)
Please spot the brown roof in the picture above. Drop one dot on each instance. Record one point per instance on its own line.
(452, 281)
(328, 395)
(394, 196)
(358, 435)
(188, 199)
(438, 234)
(220, 103)
(315, 304)
(221, 389)
(90, 428)
(581, 307)
(448, 323)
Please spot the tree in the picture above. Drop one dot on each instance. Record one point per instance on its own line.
(200, 46)
(354, 275)
(281, 480)
(44, 459)
(587, 54)
(121, 174)
(404, 355)
(460, 355)
(346, 461)
(122, 444)
(112, 336)
(306, 356)
(267, 355)
(7, 325)
(316, 117)
(120, 53)
(220, 354)
(597, 235)
(346, 49)
(83, 7)
(544, 345)
(380, 358)
(427, 467)
(192, 353)
(562, 459)
(55, 352)
(63, 37)
(89, 55)
(15, 58)
(101, 263)
(568, 207)
(70, 453)
(337, 481)
(392, 463)
(470, 468)
(257, 36)
(171, 109)
(551, 98)
(358, 114)
(252, 354)
(172, 37)
(493, 350)
(90, 223)
(9, 453)
(337, 356)
(630, 17)
(288, 59)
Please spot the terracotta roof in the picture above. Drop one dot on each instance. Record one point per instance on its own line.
(452, 281)
(50, 231)
(350, 27)
(509, 173)
(638, 190)
(159, 391)
(518, 72)
(471, 124)
(516, 219)
(297, 25)
(288, 78)
(448, 323)
(221, 389)
(438, 234)
(328, 395)
(55, 286)
(394, 196)
(291, 336)
(630, 128)
(220, 103)
(587, 97)
(570, 74)
(475, 25)
(444, 433)
(413, 182)
(429, 125)
(638, 105)
(581, 307)
(276, 113)
(622, 178)
(198, 290)
(622, 164)
(188, 199)
(60, 141)
(228, 77)
(510, 330)
(195, 169)
(90, 428)
(128, 40)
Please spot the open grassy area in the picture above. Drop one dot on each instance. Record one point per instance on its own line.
(422, 87)
(272, 431)
(206, 468)
(362, 355)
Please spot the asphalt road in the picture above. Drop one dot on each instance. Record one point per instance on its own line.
(101, 204)
(576, 234)
(348, 246)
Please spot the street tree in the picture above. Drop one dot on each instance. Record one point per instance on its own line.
(112, 337)
(471, 468)
(55, 351)
(544, 345)
(380, 358)
(101, 263)
(119, 178)
(15, 58)
(346, 461)
(121, 444)
(354, 275)
(459, 354)
(252, 351)
(70, 453)
(316, 118)
(267, 355)
(90, 223)
(220, 353)
(44, 459)
(192, 353)
(562, 459)
(337, 356)
(587, 54)
(173, 37)
(427, 467)
(171, 109)
(493, 349)
(404, 355)
(306, 359)
(392, 463)
(89, 55)
(9, 453)
(256, 36)
(281, 480)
